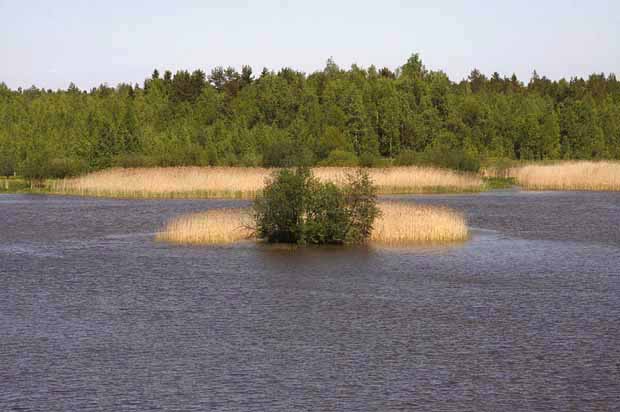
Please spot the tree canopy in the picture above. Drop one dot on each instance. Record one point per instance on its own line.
(363, 116)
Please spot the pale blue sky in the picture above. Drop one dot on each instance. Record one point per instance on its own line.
(50, 43)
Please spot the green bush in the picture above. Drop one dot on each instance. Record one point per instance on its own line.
(250, 159)
(325, 219)
(361, 206)
(340, 158)
(295, 207)
(442, 155)
(332, 139)
(500, 167)
(133, 160)
(64, 167)
(279, 211)
(447, 158)
(286, 154)
(468, 163)
(37, 167)
(372, 160)
(407, 158)
(7, 166)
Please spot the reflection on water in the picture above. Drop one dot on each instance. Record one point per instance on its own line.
(96, 315)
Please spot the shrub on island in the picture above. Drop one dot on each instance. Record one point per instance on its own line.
(296, 207)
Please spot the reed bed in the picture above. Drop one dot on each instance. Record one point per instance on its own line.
(169, 182)
(239, 182)
(399, 223)
(217, 226)
(584, 175)
(409, 179)
(402, 223)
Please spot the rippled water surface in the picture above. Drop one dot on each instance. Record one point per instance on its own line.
(97, 316)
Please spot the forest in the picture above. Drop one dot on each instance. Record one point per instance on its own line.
(333, 117)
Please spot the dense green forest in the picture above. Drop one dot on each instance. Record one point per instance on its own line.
(371, 117)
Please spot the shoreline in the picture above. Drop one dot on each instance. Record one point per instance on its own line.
(247, 183)
(239, 183)
(225, 196)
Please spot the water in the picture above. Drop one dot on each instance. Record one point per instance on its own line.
(97, 316)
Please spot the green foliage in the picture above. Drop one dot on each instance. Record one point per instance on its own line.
(499, 182)
(330, 117)
(37, 167)
(12, 185)
(439, 156)
(340, 158)
(407, 158)
(500, 167)
(332, 140)
(64, 167)
(361, 205)
(326, 218)
(7, 165)
(7, 159)
(279, 211)
(295, 207)
(286, 154)
(373, 160)
(130, 160)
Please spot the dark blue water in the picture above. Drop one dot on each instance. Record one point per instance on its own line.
(97, 316)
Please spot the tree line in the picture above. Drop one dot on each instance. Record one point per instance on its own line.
(368, 117)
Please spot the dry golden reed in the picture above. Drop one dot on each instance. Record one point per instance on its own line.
(584, 175)
(217, 226)
(400, 223)
(412, 223)
(239, 182)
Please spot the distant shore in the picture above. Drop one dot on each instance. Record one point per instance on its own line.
(245, 183)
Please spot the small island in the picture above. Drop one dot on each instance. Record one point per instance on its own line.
(296, 207)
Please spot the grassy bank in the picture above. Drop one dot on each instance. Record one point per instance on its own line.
(245, 183)
(13, 185)
(583, 175)
(498, 183)
(399, 223)
(239, 182)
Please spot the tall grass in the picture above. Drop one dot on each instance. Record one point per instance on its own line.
(399, 223)
(412, 223)
(583, 175)
(409, 179)
(218, 226)
(238, 182)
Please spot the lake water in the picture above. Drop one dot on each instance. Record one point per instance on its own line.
(97, 316)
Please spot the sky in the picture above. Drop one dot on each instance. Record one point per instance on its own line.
(52, 43)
